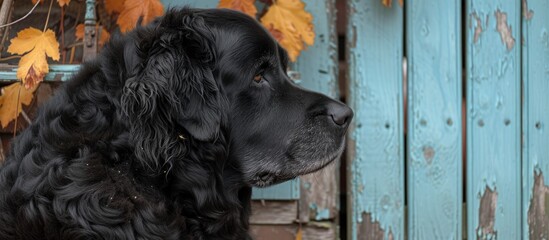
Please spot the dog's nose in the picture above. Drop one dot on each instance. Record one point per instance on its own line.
(340, 113)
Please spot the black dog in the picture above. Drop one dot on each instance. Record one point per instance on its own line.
(165, 133)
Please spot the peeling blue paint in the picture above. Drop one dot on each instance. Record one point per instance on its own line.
(375, 47)
(494, 120)
(535, 74)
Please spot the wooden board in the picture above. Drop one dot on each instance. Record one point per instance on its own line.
(274, 212)
(376, 144)
(535, 65)
(322, 231)
(318, 71)
(434, 150)
(493, 119)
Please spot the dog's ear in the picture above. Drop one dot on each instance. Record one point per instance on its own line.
(173, 91)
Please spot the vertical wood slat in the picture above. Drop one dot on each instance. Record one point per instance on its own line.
(376, 144)
(318, 70)
(493, 119)
(434, 119)
(535, 65)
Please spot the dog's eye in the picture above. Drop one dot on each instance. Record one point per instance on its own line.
(258, 78)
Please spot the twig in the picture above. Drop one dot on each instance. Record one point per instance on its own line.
(17, 109)
(63, 53)
(4, 11)
(2, 157)
(9, 58)
(76, 44)
(26, 117)
(6, 31)
(48, 18)
(18, 20)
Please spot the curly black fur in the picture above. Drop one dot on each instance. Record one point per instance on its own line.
(163, 136)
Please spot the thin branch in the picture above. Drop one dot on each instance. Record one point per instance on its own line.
(9, 58)
(18, 20)
(26, 117)
(48, 18)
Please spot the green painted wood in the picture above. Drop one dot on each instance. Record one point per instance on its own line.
(190, 3)
(285, 191)
(318, 71)
(535, 65)
(493, 119)
(60, 72)
(434, 119)
(376, 144)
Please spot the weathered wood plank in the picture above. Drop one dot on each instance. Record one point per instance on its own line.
(376, 144)
(318, 68)
(493, 119)
(535, 65)
(273, 232)
(273, 212)
(190, 3)
(58, 72)
(318, 231)
(434, 119)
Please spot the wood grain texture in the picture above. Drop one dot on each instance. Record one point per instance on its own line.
(376, 144)
(434, 119)
(493, 119)
(535, 65)
(318, 71)
(274, 212)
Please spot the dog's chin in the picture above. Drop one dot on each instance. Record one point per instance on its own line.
(266, 179)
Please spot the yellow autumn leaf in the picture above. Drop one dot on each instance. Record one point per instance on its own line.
(388, 3)
(294, 24)
(245, 6)
(103, 38)
(63, 2)
(34, 45)
(114, 6)
(12, 100)
(146, 10)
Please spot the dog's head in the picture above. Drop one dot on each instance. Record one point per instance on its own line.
(207, 73)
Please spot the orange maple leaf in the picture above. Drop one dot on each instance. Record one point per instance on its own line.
(388, 3)
(114, 6)
(12, 100)
(34, 45)
(103, 36)
(245, 6)
(290, 18)
(146, 10)
(63, 2)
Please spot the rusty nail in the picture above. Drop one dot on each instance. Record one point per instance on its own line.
(481, 123)
(450, 122)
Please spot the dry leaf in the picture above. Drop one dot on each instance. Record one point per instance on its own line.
(35, 45)
(34, 1)
(290, 18)
(387, 3)
(12, 101)
(401, 2)
(114, 6)
(245, 6)
(146, 10)
(63, 2)
(103, 37)
(278, 35)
